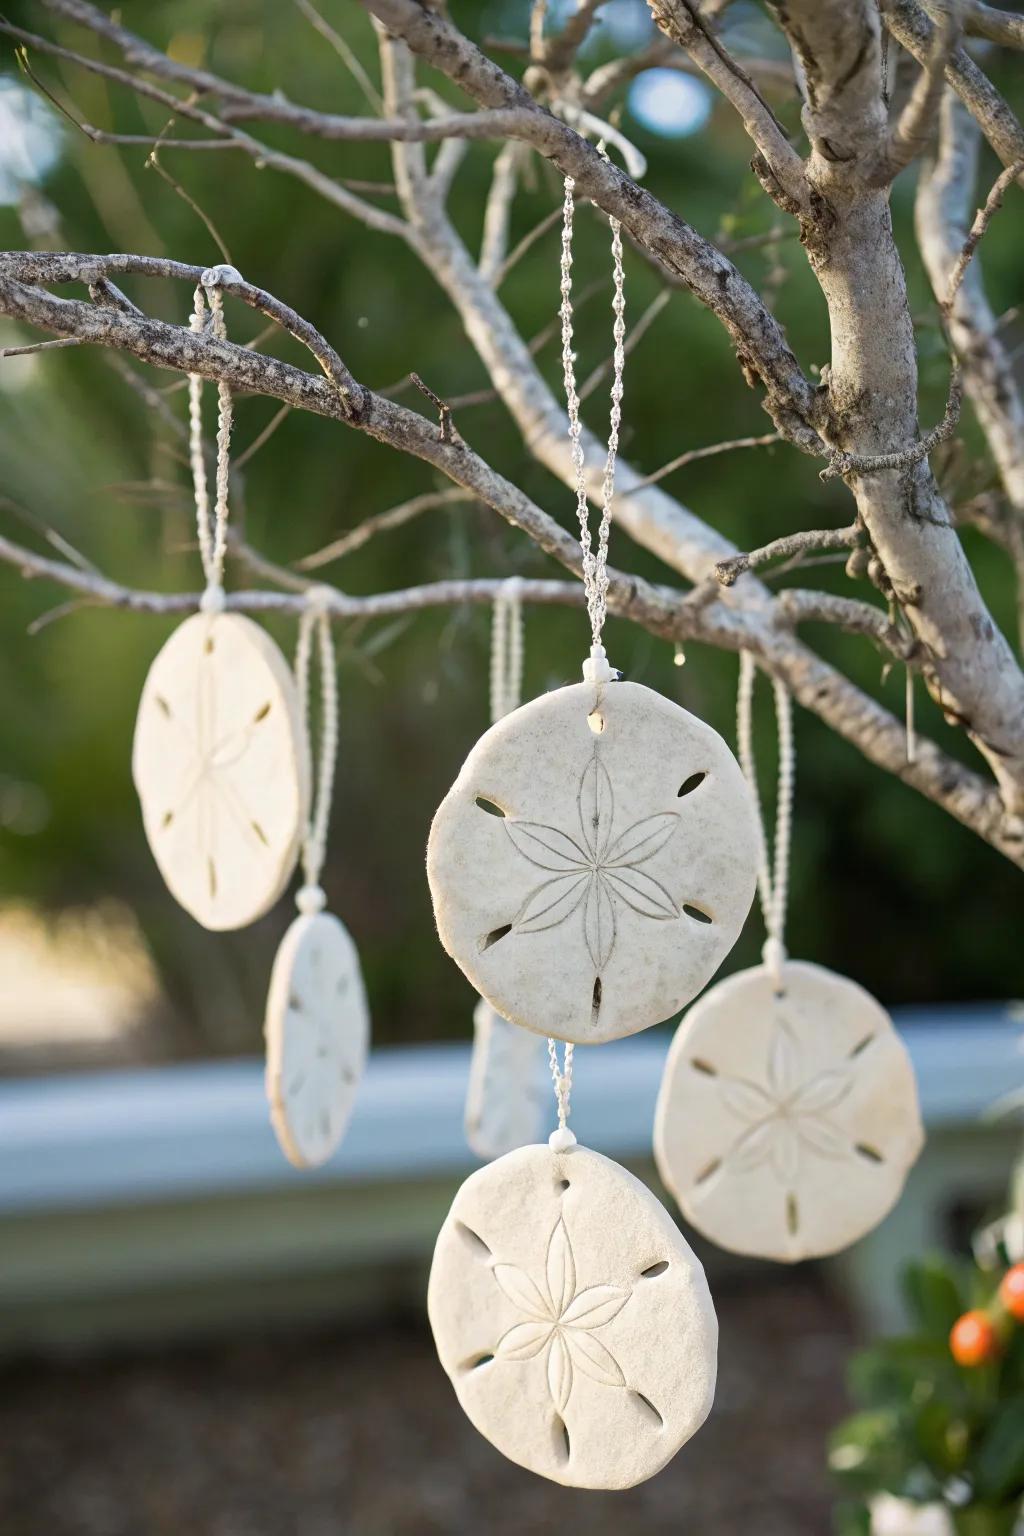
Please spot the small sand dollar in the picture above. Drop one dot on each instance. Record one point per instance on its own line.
(221, 768)
(508, 1089)
(317, 1030)
(593, 863)
(572, 1317)
(787, 1121)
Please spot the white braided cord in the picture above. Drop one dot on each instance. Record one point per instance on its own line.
(315, 618)
(773, 868)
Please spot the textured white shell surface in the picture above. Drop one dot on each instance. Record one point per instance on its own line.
(221, 768)
(508, 1087)
(317, 1030)
(590, 883)
(573, 1318)
(786, 1124)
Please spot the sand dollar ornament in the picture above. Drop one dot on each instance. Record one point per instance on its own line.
(219, 760)
(317, 1021)
(788, 1116)
(595, 859)
(572, 1317)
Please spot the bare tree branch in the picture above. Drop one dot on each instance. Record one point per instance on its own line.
(915, 32)
(914, 128)
(728, 571)
(681, 20)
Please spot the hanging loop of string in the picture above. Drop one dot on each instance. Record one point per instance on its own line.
(561, 1076)
(595, 565)
(507, 649)
(315, 619)
(212, 529)
(773, 866)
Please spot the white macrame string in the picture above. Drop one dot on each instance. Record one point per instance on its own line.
(212, 531)
(561, 1077)
(772, 882)
(507, 649)
(315, 618)
(595, 566)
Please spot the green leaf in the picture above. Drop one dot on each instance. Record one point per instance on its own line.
(999, 1466)
(933, 1295)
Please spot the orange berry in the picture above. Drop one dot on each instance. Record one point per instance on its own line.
(1011, 1292)
(973, 1340)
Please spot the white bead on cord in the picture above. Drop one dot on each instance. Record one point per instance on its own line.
(316, 616)
(595, 567)
(772, 883)
(213, 537)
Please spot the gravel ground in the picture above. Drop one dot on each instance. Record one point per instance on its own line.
(359, 1434)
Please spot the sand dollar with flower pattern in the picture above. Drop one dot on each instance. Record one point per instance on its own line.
(787, 1120)
(573, 1318)
(317, 1029)
(592, 865)
(220, 766)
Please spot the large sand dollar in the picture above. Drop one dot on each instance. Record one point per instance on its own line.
(220, 765)
(594, 861)
(317, 1029)
(787, 1120)
(572, 1317)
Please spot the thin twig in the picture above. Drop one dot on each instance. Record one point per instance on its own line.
(381, 522)
(728, 571)
(693, 454)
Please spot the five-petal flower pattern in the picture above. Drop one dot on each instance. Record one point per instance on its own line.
(561, 1320)
(789, 1115)
(596, 870)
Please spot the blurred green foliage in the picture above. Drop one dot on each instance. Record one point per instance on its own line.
(886, 887)
(929, 1430)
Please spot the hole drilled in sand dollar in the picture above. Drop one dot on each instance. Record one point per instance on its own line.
(474, 1365)
(596, 721)
(708, 1169)
(495, 935)
(688, 786)
(595, 1000)
(700, 1065)
(162, 704)
(208, 645)
(697, 913)
(560, 1436)
(490, 806)
(561, 1185)
(261, 713)
(648, 1410)
(654, 1270)
(792, 1215)
(211, 875)
(473, 1241)
(861, 1045)
(870, 1154)
(167, 818)
(260, 833)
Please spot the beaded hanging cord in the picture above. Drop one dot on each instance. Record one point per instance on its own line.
(315, 619)
(595, 566)
(212, 528)
(773, 867)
